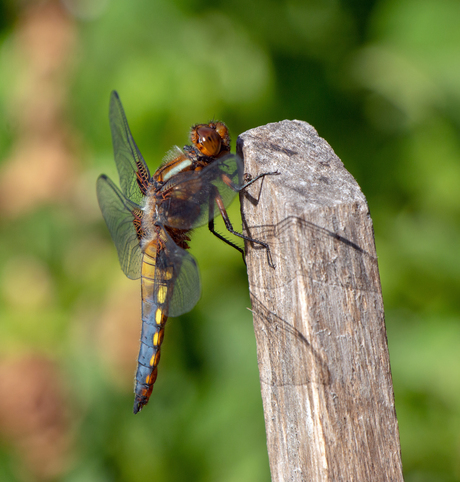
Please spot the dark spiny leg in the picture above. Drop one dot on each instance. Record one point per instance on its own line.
(222, 238)
(213, 231)
(236, 188)
(218, 200)
(248, 183)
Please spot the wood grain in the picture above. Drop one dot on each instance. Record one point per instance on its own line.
(318, 315)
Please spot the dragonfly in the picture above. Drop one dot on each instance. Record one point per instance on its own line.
(150, 219)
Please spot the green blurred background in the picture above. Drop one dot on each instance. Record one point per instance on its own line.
(379, 80)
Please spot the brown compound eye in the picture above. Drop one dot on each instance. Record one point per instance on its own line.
(222, 130)
(207, 140)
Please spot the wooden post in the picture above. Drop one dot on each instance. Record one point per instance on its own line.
(318, 315)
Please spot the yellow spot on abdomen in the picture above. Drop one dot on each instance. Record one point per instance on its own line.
(158, 316)
(152, 361)
(161, 295)
(155, 339)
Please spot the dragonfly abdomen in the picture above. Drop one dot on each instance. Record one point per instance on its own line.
(149, 357)
(155, 298)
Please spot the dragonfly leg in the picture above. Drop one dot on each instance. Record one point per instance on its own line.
(224, 239)
(250, 181)
(236, 188)
(228, 225)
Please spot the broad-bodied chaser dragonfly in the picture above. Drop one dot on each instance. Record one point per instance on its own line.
(150, 220)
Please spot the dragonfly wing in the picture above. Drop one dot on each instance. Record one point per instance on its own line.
(226, 175)
(130, 163)
(174, 261)
(192, 193)
(118, 212)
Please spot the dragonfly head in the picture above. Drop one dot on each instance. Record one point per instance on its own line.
(212, 140)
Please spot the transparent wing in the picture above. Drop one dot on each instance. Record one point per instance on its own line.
(117, 211)
(186, 277)
(191, 194)
(128, 158)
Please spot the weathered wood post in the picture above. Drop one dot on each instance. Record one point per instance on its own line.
(318, 316)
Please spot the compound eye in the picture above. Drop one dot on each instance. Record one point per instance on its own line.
(222, 130)
(208, 141)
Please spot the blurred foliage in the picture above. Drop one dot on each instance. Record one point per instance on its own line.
(380, 80)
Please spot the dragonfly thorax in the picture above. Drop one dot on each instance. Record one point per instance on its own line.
(150, 216)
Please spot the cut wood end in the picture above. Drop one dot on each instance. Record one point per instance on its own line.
(305, 161)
